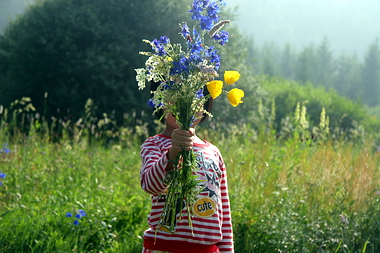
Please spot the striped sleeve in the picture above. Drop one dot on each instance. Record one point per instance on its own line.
(226, 244)
(152, 172)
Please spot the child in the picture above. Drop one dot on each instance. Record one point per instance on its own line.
(211, 230)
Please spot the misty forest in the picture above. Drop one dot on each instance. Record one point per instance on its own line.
(302, 151)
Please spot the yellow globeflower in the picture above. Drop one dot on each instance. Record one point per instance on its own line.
(234, 96)
(215, 88)
(231, 76)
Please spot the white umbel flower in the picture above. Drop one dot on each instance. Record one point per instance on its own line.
(141, 77)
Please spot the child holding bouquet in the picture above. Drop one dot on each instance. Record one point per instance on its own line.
(211, 228)
(186, 177)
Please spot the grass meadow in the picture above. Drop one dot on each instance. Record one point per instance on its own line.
(287, 195)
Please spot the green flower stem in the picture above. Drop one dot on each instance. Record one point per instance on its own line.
(182, 189)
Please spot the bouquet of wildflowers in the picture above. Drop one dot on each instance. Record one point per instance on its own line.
(183, 74)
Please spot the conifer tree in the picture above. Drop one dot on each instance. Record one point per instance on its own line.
(371, 75)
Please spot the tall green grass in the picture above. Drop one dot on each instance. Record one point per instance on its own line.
(287, 195)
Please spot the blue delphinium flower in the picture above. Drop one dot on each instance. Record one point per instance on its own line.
(196, 47)
(199, 93)
(68, 214)
(164, 40)
(182, 66)
(76, 222)
(153, 105)
(159, 45)
(222, 37)
(212, 9)
(185, 31)
(214, 57)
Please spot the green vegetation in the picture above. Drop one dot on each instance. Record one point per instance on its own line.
(303, 162)
(288, 194)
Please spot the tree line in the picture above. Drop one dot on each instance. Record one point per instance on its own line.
(61, 53)
(349, 75)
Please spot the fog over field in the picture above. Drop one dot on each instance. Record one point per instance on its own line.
(350, 25)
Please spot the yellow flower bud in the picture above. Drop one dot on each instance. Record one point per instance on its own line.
(231, 77)
(215, 88)
(234, 96)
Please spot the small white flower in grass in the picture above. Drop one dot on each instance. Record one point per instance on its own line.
(343, 219)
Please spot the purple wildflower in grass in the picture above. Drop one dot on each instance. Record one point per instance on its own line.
(5, 150)
(344, 219)
(83, 213)
(77, 216)
(2, 176)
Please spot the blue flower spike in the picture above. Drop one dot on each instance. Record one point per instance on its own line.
(2, 176)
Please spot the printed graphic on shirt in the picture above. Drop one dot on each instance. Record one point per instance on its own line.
(210, 174)
(204, 207)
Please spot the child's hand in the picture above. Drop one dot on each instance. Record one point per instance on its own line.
(181, 140)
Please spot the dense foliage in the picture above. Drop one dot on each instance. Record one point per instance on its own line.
(343, 113)
(62, 52)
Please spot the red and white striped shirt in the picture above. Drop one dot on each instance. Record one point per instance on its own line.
(211, 217)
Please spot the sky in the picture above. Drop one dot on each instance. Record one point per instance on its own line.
(349, 25)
